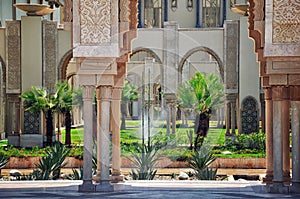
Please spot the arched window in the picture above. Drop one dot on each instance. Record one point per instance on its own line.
(211, 10)
(153, 13)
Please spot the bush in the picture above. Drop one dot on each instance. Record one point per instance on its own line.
(254, 141)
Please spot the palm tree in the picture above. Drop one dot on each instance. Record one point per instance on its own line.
(187, 100)
(129, 93)
(203, 93)
(38, 99)
(65, 104)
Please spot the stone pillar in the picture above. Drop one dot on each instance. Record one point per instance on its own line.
(296, 144)
(295, 122)
(263, 112)
(87, 97)
(269, 135)
(280, 96)
(168, 119)
(228, 110)
(115, 125)
(233, 116)
(286, 140)
(173, 118)
(103, 137)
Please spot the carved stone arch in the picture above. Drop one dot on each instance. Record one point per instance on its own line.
(148, 50)
(202, 49)
(63, 65)
(249, 115)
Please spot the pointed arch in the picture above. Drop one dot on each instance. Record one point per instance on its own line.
(63, 65)
(202, 49)
(147, 50)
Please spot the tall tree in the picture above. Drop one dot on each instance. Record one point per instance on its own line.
(65, 97)
(129, 93)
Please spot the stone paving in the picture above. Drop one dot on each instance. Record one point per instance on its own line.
(140, 189)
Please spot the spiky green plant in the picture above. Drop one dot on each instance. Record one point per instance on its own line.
(144, 159)
(200, 162)
(76, 175)
(3, 161)
(49, 166)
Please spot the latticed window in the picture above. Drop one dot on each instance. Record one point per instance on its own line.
(153, 13)
(211, 13)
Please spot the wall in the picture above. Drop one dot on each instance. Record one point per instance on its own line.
(185, 18)
(249, 69)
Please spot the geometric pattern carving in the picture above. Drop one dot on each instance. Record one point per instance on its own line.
(49, 54)
(13, 56)
(124, 10)
(95, 22)
(231, 55)
(31, 123)
(286, 21)
(249, 115)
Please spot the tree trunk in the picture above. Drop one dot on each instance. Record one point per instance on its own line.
(202, 124)
(68, 123)
(49, 127)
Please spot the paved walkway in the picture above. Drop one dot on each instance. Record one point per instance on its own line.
(139, 189)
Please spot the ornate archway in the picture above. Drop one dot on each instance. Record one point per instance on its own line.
(63, 65)
(201, 49)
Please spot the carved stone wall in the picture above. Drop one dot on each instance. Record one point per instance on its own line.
(13, 114)
(68, 10)
(286, 21)
(50, 49)
(282, 24)
(95, 28)
(13, 56)
(231, 59)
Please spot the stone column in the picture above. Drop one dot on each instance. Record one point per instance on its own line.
(228, 110)
(280, 96)
(173, 118)
(269, 135)
(263, 112)
(295, 97)
(286, 140)
(296, 144)
(168, 119)
(115, 125)
(233, 116)
(87, 97)
(103, 138)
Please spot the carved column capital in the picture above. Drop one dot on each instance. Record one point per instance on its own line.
(104, 93)
(268, 93)
(87, 92)
(116, 93)
(295, 93)
(280, 92)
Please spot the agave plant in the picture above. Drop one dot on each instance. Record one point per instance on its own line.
(3, 161)
(76, 175)
(200, 162)
(50, 165)
(144, 159)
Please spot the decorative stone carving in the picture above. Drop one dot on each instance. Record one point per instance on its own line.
(49, 54)
(13, 114)
(31, 123)
(231, 56)
(105, 93)
(124, 10)
(133, 14)
(249, 115)
(13, 56)
(88, 92)
(286, 21)
(95, 22)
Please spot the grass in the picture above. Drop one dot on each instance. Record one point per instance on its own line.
(132, 135)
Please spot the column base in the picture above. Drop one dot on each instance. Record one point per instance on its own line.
(277, 187)
(117, 178)
(86, 186)
(104, 186)
(268, 179)
(97, 178)
(295, 188)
